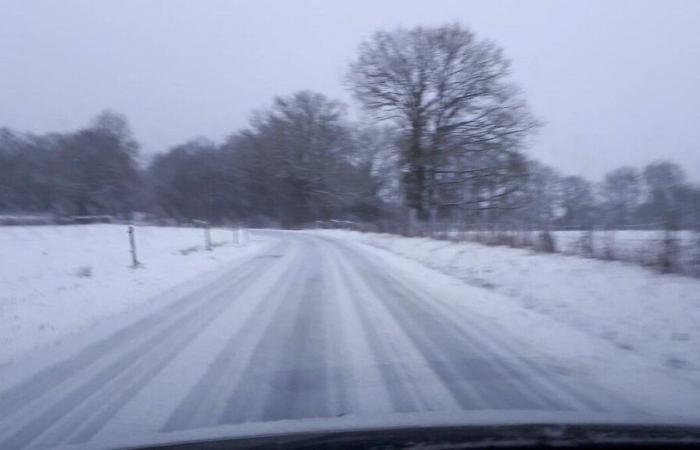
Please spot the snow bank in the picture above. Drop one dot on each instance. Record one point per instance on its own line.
(640, 312)
(57, 280)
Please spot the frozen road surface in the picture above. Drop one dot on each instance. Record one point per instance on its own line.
(309, 327)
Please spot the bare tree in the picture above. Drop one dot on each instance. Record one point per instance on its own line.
(301, 161)
(578, 202)
(303, 136)
(375, 155)
(621, 192)
(463, 122)
(544, 196)
(667, 193)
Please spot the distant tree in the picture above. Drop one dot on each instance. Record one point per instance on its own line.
(663, 176)
(375, 157)
(544, 196)
(298, 162)
(463, 123)
(667, 193)
(692, 213)
(577, 201)
(28, 172)
(621, 192)
(13, 170)
(305, 144)
(195, 181)
(96, 169)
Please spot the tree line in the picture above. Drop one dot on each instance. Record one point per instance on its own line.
(444, 140)
(656, 196)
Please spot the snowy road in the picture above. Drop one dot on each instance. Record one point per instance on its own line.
(309, 327)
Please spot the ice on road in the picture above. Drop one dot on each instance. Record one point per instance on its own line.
(308, 327)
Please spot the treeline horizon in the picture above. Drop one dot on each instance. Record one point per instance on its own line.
(447, 143)
(96, 171)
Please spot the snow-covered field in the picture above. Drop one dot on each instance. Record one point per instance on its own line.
(57, 280)
(646, 247)
(644, 313)
(669, 251)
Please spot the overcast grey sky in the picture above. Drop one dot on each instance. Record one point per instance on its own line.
(617, 82)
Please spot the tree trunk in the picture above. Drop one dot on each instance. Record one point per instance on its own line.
(414, 178)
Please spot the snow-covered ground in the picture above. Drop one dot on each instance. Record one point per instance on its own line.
(57, 280)
(306, 326)
(650, 315)
(646, 247)
(672, 251)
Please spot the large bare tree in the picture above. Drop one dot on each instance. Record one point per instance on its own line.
(463, 121)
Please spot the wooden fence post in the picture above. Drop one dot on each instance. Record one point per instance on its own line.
(670, 253)
(207, 237)
(132, 243)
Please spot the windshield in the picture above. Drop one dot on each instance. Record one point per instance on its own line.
(236, 219)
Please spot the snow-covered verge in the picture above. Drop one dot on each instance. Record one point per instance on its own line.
(57, 280)
(636, 310)
(664, 250)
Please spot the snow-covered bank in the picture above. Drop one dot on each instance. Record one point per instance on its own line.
(654, 316)
(57, 280)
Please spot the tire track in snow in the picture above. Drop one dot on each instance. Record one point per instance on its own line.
(361, 385)
(78, 414)
(204, 404)
(226, 342)
(25, 393)
(399, 380)
(508, 382)
(328, 331)
(548, 382)
(410, 381)
(287, 377)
